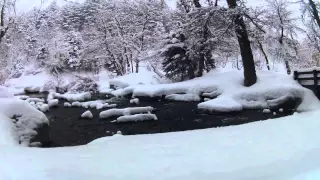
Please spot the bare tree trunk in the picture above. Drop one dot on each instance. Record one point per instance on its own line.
(2, 31)
(249, 70)
(315, 12)
(288, 67)
(216, 3)
(264, 54)
(137, 66)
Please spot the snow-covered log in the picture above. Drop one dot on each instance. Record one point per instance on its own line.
(127, 111)
(136, 118)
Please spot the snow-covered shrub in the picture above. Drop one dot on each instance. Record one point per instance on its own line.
(49, 85)
(84, 84)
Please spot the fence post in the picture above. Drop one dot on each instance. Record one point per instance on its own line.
(315, 81)
(295, 75)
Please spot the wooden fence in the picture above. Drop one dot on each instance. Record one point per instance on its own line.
(309, 79)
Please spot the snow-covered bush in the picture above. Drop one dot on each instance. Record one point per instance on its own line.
(84, 84)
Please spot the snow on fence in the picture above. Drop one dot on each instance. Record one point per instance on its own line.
(308, 78)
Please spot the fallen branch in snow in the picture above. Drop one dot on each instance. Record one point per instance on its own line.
(126, 111)
(136, 118)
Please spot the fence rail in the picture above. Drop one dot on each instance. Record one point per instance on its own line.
(312, 80)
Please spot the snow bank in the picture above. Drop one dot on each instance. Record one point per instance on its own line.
(28, 118)
(281, 149)
(271, 90)
(126, 111)
(87, 114)
(136, 118)
(183, 97)
(73, 97)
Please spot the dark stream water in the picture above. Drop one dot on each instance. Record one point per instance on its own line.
(67, 128)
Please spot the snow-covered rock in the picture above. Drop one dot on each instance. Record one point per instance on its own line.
(43, 107)
(99, 106)
(134, 101)
(183, 97)
(50, 96)
(274, 113)
(127, 111)
(66, 104)
(109, 105)
(266, 111)
(280, 110)
(76, 104)
(87, 114)
(53, 103)
(136, 118)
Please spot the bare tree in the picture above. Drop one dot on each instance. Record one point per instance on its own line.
(250, 76)
(282, 28)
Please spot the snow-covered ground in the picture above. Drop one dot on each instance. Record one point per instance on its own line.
(282, 149)
(46, 82)
(285, 148)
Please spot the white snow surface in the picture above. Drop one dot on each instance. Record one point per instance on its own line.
(126, 111)
(136, 118)
(270, 89)
(282, 149)
(87, 114)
